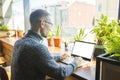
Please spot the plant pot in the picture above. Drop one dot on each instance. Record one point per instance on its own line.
(57, 42)
(109, 69)
(99, 49)
(50, 41)
(20, 33)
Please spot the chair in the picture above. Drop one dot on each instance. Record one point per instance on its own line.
(2, 61)
(3, 74)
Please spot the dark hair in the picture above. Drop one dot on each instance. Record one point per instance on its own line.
(36, 15)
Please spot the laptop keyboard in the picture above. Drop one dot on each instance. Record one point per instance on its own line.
(68, 61)
(80, 60)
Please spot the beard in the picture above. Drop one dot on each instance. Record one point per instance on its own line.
(43, 32)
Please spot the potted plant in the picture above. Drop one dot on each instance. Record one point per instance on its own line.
(110, 68)
(50, 38)
(20, 32)
(112, 42)
(57, 38)
(5, 31)
(81, 35)
(103, 27)
(4, 28)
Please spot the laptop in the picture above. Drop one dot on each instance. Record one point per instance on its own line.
(83, 50)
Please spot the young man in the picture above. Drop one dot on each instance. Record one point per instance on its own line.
(31, 60)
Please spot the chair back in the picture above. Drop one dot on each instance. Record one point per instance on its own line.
(3, 74)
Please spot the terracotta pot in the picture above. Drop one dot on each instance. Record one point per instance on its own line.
(50, 41)
(57, 42)
(20, 33)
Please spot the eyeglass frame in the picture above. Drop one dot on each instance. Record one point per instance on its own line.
(49, 22)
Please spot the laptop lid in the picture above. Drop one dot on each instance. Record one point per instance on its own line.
(83, 49)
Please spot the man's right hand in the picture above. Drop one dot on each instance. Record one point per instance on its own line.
(78, 60)
(65, 56)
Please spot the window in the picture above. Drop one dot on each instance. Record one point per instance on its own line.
(18, 16)
(71, 14)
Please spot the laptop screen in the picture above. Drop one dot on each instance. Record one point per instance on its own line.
(83, 49)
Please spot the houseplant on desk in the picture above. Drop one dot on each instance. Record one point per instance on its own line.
(81, 35)
(50, 36)
(111, 60)
(57, 38)
(103, 27)
(112, 42)
(4, 27)
(20, 32)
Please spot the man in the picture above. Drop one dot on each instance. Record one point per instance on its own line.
(31, 60)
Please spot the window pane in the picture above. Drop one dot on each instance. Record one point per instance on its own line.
(71, 14)
(18, 17)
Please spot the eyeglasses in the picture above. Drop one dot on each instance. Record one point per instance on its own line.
(49, 22)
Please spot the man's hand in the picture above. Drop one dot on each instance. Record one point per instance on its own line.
(65, 56)
(78, 60)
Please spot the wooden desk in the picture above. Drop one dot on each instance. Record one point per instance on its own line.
(6, 48)
(86, 72)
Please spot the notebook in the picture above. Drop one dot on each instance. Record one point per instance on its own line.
(83, 50)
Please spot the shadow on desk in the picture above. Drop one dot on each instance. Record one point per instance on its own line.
(85, 73)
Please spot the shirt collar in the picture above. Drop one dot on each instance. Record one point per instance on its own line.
(33, 34)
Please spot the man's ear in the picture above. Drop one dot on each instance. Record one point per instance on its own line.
(42, 23)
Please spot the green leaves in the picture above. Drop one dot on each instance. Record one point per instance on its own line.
(56, 33)
(50, 34)
(58, 30)
(115, 57)
(109, 31)
(3, 27)
(104, 27)
(112, 38)
(112, 44)
(81, 35)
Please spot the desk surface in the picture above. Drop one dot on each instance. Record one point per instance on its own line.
(86, 72)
